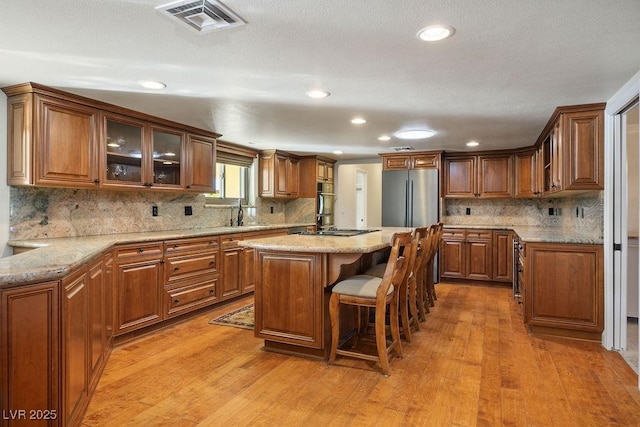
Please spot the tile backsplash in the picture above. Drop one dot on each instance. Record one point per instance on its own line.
(583, 212)
(51, 212)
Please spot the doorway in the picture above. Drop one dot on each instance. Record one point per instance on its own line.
(361, 198)
(628, 120)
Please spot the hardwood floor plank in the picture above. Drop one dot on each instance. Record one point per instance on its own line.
(472, 363)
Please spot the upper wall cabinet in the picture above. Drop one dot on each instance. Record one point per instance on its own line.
(52, 142)
(482, 175)
(279, 174)
(58, 139)
(417, 160)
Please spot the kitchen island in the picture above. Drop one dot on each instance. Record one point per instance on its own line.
(294, 277)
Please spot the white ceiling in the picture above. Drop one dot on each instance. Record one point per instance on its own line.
(497, 81)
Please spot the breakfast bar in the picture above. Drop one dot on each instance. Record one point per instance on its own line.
(294, 275)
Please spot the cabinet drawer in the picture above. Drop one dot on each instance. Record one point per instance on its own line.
(180, 299)
(453, 234)
(138, 250)
(181, 267)
(191, 245)
(479, 234)
(230, 240)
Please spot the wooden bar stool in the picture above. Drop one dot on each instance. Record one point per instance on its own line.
(406, 294)
(373, 292)
(430, 283)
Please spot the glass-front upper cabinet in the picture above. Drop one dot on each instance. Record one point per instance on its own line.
(141, 155)
(124, 151)
(167, 157)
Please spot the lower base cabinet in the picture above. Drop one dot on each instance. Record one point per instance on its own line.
(564, 289)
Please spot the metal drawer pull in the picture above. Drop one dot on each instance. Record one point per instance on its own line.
(212, 291)
(212, 263)
(176, 268)
(176, 301)
(140, 250)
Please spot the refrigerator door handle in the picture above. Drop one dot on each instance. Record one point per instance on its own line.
(406, 203)
(411, 208)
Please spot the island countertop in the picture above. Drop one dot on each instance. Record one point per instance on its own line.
(362, 243)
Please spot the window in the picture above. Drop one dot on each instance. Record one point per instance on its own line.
(234, 178)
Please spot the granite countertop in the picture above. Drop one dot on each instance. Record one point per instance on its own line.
(54, 258)
(531, 234)
(362, 243)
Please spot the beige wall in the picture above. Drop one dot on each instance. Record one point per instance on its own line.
(633, 161)
(345, 208)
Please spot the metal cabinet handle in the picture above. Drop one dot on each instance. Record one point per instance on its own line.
(212, 263)
(176, 268)
(140, 250)
(176, 301)
(212, 291)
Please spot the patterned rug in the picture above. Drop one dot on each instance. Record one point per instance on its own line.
(240, 318)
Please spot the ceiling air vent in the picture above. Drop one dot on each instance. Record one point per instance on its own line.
(202, 15)
(402, 148)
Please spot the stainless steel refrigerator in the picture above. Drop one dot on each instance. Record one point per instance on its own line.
(410, 198)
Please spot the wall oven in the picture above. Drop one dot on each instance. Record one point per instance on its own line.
(324, 205)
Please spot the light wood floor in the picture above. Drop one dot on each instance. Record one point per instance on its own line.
(473, 363)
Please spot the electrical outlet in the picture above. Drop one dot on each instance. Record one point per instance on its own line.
(271, 209)
(188, 210)
(467, 211)
(154, 210)
(551, 211)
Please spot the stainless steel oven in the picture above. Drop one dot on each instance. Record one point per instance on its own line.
(324, 204)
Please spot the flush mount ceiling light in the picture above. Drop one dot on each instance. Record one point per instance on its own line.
(202, 15)
(337, 152)
(384, 138)
(318, 94)
(414, 133)
(358, 121)
(472, 144)
(150, 84)
(434, 33)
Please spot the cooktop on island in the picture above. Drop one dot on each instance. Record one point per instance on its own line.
(337, 232)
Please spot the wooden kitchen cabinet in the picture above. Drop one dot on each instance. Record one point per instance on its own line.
(231, 257)
(485, 176)
(30, 350)
(564, 289)
(201, 166)
(572, 149)
(324, 170)
(191, 274)
(141, 155)
(52, 142)
(76, 331)
(138, 283)
(57, 139)
(471, 254)
(279, 175)
(417, 160)
(526, 174)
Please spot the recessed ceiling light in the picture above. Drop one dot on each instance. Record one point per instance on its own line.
(414, 133)
(384, 138)
(435, 33)
(318, 94)
(337, 152)
(150, 84)
(472, 144)
(358, 121)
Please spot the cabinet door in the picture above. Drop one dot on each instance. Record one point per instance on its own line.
(123, 164)
(230, 285)
(584, 150)
(396, 162)
(460, 177)
(281, 169)
(248, 270)
(97, 292)
(139, 294)
(565, 288)
(321, 168)
(166, 153)
(525, 175)
(19, 146)
(293, 177)
(267, 166)
(503, 256)
(75, 347)
(495, 174)
(30, 348)
(452, 256)
(201, 166)
(425, 161)
(479, 256)
(66, 144)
